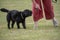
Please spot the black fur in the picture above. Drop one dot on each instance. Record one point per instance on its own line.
(16, 16)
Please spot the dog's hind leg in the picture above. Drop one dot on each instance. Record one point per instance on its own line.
(8, 24)
(18, 25)
(8, 21)
(12, 25)
(23, 24)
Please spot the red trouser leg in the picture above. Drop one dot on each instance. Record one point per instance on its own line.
(37, 14)
(48, 8)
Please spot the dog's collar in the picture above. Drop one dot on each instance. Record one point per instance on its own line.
(22, 16)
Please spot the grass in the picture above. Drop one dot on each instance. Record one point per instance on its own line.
(45, 31)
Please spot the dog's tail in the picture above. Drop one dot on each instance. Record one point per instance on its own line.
(4, 10)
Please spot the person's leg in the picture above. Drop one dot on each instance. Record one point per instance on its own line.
(55, 22)
(49, 12)
(35, 25)
(37, 13)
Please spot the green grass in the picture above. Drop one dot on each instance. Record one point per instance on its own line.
(45, 31)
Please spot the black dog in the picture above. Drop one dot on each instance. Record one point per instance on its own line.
(16, 16)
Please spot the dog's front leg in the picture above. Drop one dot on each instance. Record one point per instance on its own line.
(18, 25)
(23, 24)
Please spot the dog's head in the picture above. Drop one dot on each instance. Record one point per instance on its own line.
(24, 14)
(27, 12)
